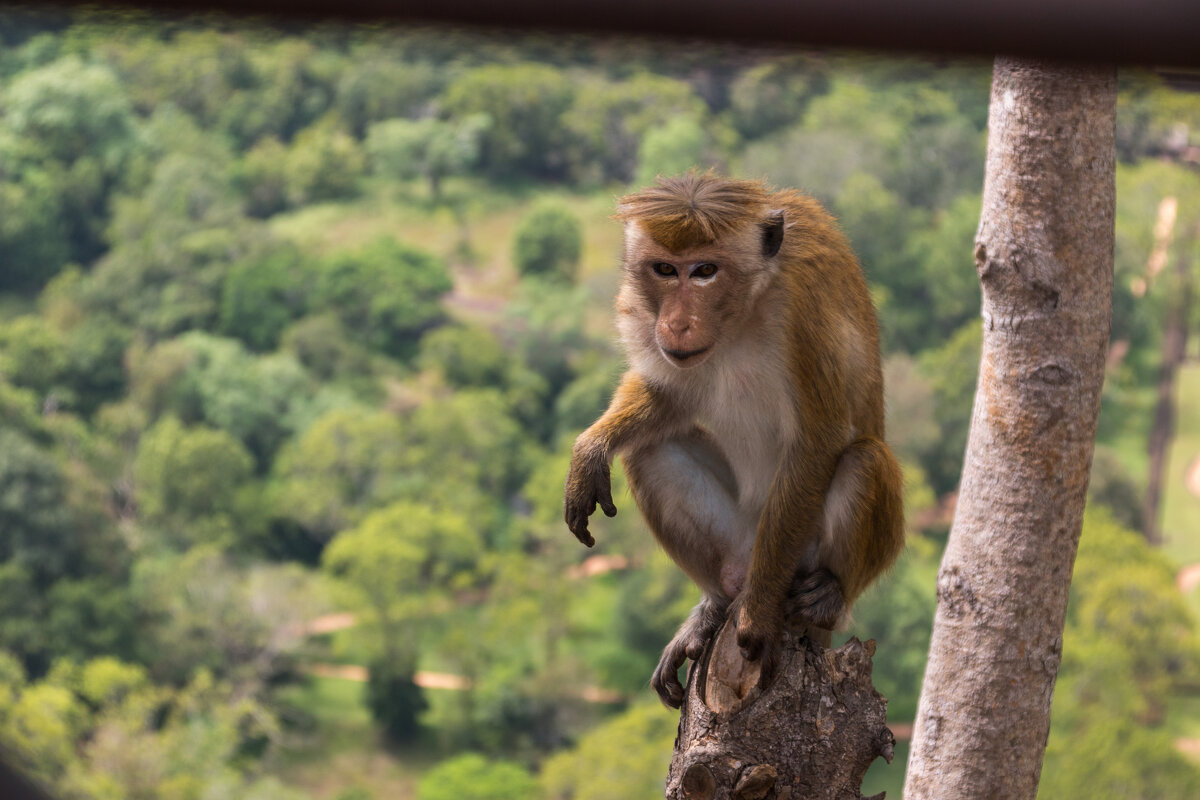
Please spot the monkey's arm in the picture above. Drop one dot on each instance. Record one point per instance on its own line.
(789, 527)
(791, 523)
(637, 414)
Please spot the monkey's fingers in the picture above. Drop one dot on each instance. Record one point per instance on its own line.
(606, 501)
(577, 522)
(581, 533)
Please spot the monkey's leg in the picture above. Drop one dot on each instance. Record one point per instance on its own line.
(863, 533)
(687, 493)
(689, 641)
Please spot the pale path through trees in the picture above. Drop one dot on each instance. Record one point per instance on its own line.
(1044, 253)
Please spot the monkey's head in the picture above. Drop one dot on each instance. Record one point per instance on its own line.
(698, 252)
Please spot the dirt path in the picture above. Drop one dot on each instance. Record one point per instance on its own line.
(1191, 478)
(1189, 747)
(1188, 578)
(443, 680)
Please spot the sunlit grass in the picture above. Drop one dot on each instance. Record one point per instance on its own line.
(883, 776)
(1181, 508)
(337, 748)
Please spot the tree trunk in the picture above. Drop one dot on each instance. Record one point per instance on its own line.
(1174, 350)
(1044, 253)
(810, 735)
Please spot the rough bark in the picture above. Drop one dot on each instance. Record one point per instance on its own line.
(811, 733)
(1174, 350)
(1044, 253)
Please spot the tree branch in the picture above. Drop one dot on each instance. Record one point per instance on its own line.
(810, 734)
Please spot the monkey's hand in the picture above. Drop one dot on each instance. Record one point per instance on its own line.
(759, 635)
(588, 483)
(817, 598)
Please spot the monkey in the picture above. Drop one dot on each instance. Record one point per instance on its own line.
(750, 419)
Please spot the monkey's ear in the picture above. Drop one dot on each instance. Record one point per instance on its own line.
(772, 230)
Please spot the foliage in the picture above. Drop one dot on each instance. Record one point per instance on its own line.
(428, 148)
(609, 121)
(624, 757)
(897, 612)
(261, 296)
(254, 320)
(395, 700)
(344, 464)
(201, 609)
(401, 560)
(472, 775)
(324, 163)
(525, 103)
(34, 238)
(49, 531)
(207, 379)
(1129, 641)
(386, 293)
(190, 479)
(101, 729)
(952, 370)
(374, 87)
(774, 93)
(672, 149)
(1112, 486)
(548, 241)
(74, 128)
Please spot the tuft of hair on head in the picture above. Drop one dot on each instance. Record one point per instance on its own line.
(694, 209)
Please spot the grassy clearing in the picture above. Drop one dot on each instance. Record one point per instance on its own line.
(1183, 717)
(476, 243)
(1125, 426)
(336, 748)
(1181, 508)
(885, 777)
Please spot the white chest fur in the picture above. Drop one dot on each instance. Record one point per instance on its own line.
(747, 405)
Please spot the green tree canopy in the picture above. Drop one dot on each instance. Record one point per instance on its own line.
(626, 756)
(472, 775)
(189, 476)
(428, 148)
(673, 148)
(344, 464)
(610, 120)
(1129, 643)
(525, 103)
(387, 294)
(548, 242)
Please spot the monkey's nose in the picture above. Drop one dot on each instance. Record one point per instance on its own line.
(679, 326)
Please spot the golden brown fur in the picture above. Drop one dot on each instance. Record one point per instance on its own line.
(751, 418)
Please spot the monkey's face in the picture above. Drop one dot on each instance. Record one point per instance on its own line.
(680, 306)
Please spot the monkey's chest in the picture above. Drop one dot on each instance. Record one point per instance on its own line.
(750, 420)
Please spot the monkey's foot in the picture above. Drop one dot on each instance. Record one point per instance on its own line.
(665, 680)
(690, 642)
(758, 638)
(817, 598)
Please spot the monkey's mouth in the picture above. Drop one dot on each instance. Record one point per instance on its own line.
(686, 357)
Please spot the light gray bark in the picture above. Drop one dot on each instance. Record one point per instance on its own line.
(1044, 253)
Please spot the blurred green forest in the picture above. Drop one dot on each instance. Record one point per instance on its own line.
(298, 322)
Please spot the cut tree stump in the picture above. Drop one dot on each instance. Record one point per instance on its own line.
(810, 735)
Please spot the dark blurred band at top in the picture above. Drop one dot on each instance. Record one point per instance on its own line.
(1153, 33)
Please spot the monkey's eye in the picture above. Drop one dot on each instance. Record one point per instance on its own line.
(704, 271)
(663, 268)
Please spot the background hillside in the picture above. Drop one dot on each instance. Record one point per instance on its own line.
(297, 325)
